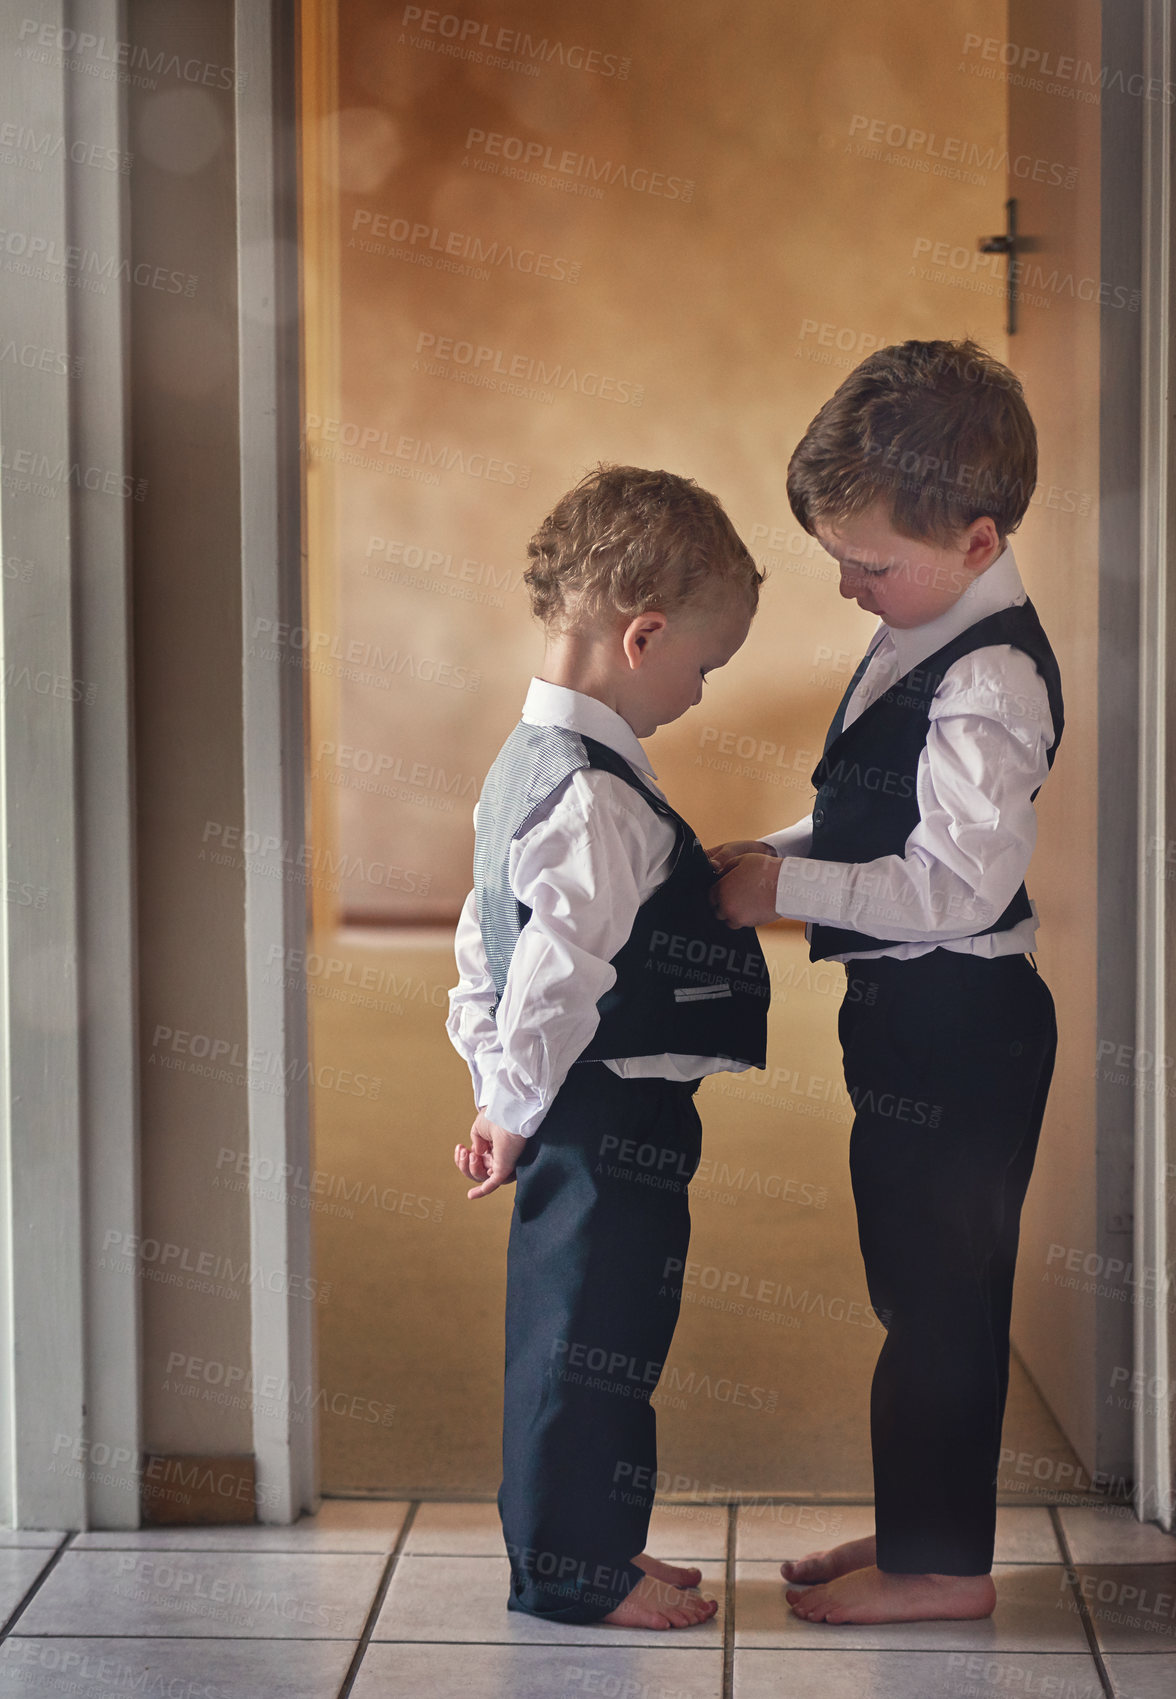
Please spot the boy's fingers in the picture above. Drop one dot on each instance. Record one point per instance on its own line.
(471, 1164)
(724, 907)
(484, 1190)
(494, 1179)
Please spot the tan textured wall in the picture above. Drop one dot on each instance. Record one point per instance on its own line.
(804, 153)
(187, 617)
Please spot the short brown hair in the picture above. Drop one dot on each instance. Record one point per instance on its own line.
(938, 430)
(627, 539)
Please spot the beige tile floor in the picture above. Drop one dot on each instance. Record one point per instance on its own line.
(384, 1599)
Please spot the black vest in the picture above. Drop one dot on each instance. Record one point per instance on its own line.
(687, 984)
(866, 804)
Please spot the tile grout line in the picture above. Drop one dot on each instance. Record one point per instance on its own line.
(1007, 1499)
(1083, 1614)
(729, 1605)
(42, 1576)
(369, 1626)
(244, 1549)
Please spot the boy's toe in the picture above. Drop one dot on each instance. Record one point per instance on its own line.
(807, 1570)
(804, 1604)
(816, 1606)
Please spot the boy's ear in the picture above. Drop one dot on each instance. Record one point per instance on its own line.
(639, 633)
(983, 543)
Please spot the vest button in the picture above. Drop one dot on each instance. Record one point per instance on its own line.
(818, 816)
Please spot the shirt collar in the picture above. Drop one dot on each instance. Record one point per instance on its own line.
(556, 705)
(999, 586)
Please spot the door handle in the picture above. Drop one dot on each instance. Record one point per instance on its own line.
(1007, 244)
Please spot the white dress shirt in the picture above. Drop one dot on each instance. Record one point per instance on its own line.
(985, 756)
(584, 866)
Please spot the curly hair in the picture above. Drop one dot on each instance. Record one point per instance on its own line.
(939, 431)
(625, 540)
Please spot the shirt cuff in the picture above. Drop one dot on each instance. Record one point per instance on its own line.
(511, 1114)
(793, 840)
(482, 1072)
(812, 890)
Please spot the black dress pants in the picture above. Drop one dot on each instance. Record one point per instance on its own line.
(948, 1059)
(598, 1243)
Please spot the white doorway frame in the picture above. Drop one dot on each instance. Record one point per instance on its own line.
(274, 717)
(71, 1432)
(70, 1428)
(1155, 1192)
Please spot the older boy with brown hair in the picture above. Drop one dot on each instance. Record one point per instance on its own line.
(910, 870)
(597, 988)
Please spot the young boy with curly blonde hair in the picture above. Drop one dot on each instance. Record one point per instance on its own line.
(597, 988)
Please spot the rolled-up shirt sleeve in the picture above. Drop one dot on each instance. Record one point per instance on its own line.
(985, 756)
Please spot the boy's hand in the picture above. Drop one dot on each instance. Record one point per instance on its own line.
(724, 856)
(490, 1156)
(746, 896)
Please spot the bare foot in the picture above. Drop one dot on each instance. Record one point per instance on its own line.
(652, 1604)
(827, 1566)
(668, 1572)
(873, 1595)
